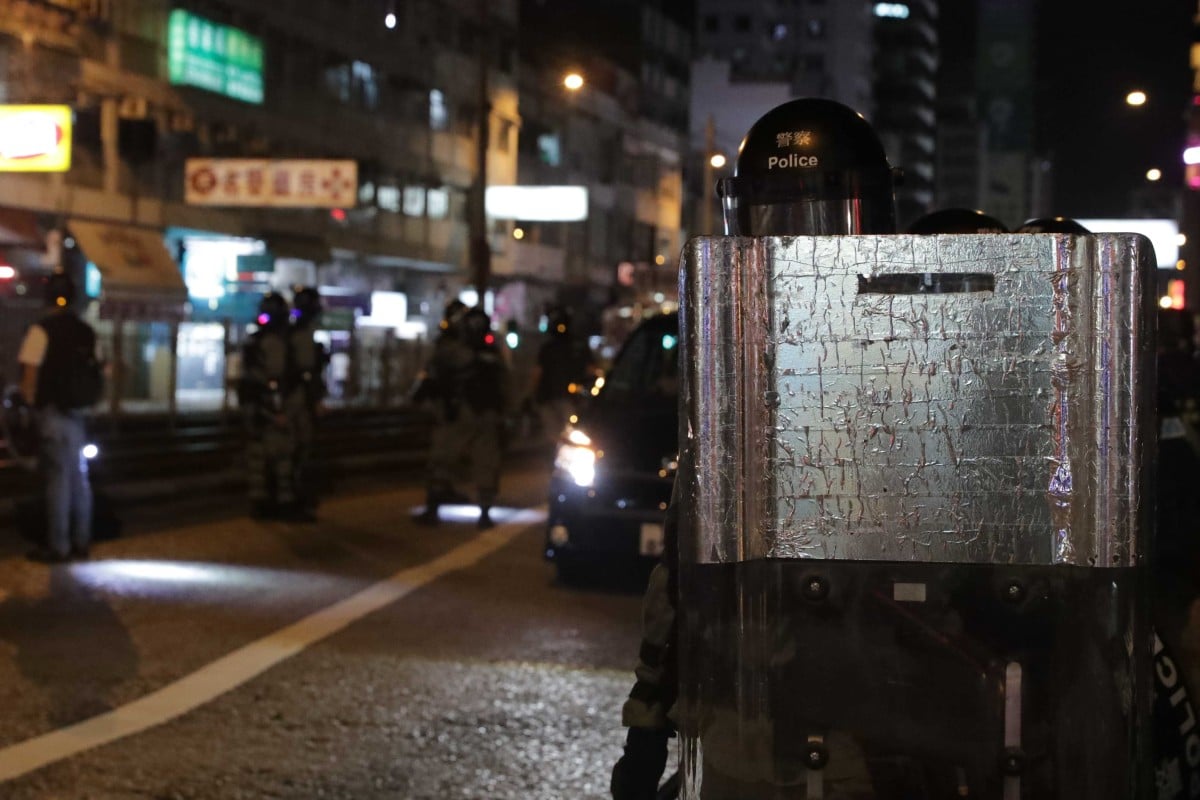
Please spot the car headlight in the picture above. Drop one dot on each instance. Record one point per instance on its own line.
(576, 457)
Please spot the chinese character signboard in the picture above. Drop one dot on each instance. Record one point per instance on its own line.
(35, 138)
(215, 57)
(288, 183)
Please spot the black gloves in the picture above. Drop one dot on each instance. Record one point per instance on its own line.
(636, 774)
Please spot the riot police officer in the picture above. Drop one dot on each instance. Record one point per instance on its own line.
(810, 166)
(564, 361)
(956, 220)
(467, 378)
(307, 360)
(265, 384)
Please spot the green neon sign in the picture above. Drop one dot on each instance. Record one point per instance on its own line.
(215, 57)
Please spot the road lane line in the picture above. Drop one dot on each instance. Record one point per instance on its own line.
(233, 670)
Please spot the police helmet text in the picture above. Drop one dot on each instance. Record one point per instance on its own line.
(791, 160)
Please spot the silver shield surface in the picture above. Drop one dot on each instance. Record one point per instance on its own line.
(957, 398)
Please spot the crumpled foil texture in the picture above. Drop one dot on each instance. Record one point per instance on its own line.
(829, 420)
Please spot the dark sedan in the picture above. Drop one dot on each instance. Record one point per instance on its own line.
(616, 460)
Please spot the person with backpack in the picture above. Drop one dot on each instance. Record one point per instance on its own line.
(61, 378)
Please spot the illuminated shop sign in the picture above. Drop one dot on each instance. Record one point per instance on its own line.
(543, 203)
(293, 183)
(215, 57)
(35, 138)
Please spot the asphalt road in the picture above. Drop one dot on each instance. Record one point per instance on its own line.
(360, 657)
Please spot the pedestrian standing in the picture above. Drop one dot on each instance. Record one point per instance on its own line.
(61, 378)
(468, 376)
(262, 391)
(304, 401)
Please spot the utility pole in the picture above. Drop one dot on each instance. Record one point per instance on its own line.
(480, 249)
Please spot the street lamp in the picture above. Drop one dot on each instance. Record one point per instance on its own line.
(573, 81)
(1136, 98)
(717, 161)
(1153, 174)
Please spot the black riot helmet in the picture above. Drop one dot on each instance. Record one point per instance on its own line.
(452, 315)
(58, 290)
(476, 327)
(272, 311)
(558, 321)
(810, 166)
(306, 305)
(956, 220)
(1052, 225)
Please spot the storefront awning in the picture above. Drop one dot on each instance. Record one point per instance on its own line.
(19, 228)
(140, 280)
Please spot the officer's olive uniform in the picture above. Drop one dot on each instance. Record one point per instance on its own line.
(473, 392)
(308, 390)
(269, 442)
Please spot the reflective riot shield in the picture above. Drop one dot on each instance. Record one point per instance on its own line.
(914, 528)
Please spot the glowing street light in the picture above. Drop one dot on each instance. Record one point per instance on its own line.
(1153, 174)
(717, 160)
(1136, 98)
(390, 21)
(573, 81)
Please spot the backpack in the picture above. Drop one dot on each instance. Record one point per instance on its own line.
(71, 377)
(85, 381)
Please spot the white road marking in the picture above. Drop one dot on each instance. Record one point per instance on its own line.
(240, 666)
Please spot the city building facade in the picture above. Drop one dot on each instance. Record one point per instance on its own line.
(163, 94)
(880, 59)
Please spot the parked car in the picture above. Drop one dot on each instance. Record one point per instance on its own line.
(616, 460)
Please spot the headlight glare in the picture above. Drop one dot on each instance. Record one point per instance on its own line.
(578, 462)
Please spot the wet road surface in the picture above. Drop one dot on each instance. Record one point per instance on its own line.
(361, 657)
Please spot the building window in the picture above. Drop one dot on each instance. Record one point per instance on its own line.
(741, 23)
(549, 149)
(388, 198)
(816, 29)
(814, 62)
(364, 85)
(439, 114)
(414, 201)
(437, 203)
(712, 23)
(779, 31)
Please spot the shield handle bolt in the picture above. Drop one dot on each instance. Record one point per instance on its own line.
(815, 588)
(1014, 592)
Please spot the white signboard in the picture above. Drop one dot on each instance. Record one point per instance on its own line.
(1162, 233)
(286, 183)
(537, 203)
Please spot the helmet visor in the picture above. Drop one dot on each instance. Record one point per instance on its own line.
(809, 205)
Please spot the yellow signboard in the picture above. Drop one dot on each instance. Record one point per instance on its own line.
(35, 138)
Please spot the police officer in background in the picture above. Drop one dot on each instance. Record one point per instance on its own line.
(468, 380)
(844, 187)
(60, 378)
(564, 361)
(304, 401)
(263, 391)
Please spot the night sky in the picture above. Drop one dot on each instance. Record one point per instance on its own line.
(1089, 55)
